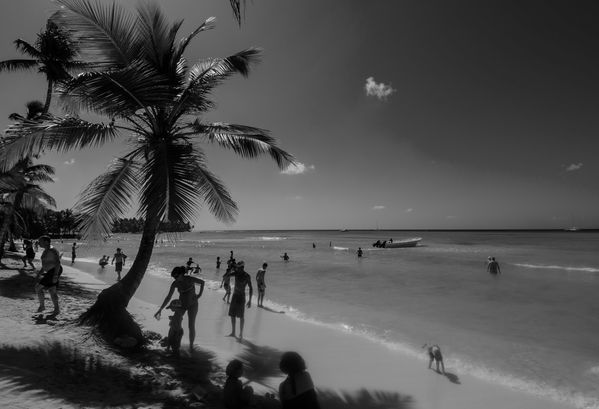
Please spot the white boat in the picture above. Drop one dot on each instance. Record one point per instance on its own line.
(413, 242)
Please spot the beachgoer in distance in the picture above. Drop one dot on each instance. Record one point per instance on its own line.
(226, 281)
(231, 258)
(120, 262)
(218, 263)
(74, 248)
(50, 273)
(360, 253)
(189, 263)
(313, 245)
(29, 254)
(238, 304)
(261, 284)
(285, 257)
(297, 390)
(493, 267)
(187, 295)
(103, 261)
(434, 354)
(235, 396)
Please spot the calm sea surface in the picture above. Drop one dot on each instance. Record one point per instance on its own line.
(534, 327)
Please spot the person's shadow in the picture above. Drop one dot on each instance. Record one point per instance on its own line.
(453, 378)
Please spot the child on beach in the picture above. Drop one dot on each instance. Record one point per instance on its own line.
(103, 261)
(434, 353)
(175, 331)
(297, 390)
(235, 395)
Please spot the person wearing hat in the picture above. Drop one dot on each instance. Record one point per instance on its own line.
(238, 304)
(185, 284)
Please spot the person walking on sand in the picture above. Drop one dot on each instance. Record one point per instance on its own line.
(49, 273)
(29, 254)
(434, 354)
(185, 284)
(297, 390)
(119, 257)
(237, 308)
(261, 284)
(493, 267)
(74, 248)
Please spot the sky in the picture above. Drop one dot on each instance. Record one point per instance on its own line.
(400, 114)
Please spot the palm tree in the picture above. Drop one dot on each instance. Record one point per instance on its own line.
(20, 189)
(53, 54)
(155, 100)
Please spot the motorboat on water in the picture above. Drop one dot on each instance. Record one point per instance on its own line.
(388, 244)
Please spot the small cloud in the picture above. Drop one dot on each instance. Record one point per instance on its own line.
(573, 167)
(69, 162)
(410, 210)
(380, 90)
(378, 207)
(297, 168)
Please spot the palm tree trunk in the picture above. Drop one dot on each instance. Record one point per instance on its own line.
(48, 96)
(109, 312)
(136, 273)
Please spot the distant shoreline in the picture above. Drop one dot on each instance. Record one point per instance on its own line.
(593, 230)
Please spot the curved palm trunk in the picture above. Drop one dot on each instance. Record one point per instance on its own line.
(109, 312)
(48, 96)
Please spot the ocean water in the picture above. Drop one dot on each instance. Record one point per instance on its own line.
(534, 328)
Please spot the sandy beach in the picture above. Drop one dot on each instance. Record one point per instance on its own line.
(55, 364)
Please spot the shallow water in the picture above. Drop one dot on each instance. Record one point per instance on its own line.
(534, 327)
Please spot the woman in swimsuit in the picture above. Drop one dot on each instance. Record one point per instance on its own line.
(189, 300)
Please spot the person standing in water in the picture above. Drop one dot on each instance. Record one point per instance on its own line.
(218, 263)
(285, 257)
(49, 273)
(185, 284)
(493, 267)
(261, 284)
(360, 253)
(74, 252)
(238, 304)
(119, 257)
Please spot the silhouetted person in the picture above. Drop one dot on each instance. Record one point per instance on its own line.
(29, 254)
(235, 396)
(189, 263)
(189, 300)
(493, 267)
(218, 263)
(285, 257)
(238, 304)
(49, 273)
(261, 284)
(226, 281)
(434, 354)
(73, 252)
(119, 257)
(103, 261)
(313, 245)
(360, 252)
(297, 390)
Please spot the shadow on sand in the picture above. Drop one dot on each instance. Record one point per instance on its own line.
(453, 378)
(262, 362)
(21, 286)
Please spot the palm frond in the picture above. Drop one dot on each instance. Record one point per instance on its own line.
(35, 198)
(40, 173)
(246, 141)
(17, 65)
(107, 197)
(30, 137)
(176, 183)
(184, 42)
(120, 93)
(26, 48)
(106, 35)
(159, 35)
(237, 9)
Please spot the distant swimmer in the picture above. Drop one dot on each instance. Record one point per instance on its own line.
(119, 257)
(493, 267)
(360, 252)
(285, 257)
(218, 263)
(189, 263)
(434, 354)
(261, 284)
(313, 245)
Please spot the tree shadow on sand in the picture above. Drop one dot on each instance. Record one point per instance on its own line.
(262, 363)
(80, 378)
(21, 286)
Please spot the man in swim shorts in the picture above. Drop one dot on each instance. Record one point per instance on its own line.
(261, 284)
(237, 308)
(120, 261)
(47, 277)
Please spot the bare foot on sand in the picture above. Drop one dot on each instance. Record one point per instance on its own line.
(232, 334)
(40, 309)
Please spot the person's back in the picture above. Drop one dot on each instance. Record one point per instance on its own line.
(493, 267)
(297, 392)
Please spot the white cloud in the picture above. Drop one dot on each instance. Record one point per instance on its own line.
(410, 210)
(574, 166)
(70, 161)
(378, 207)
(297, 168)
(380, 90)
